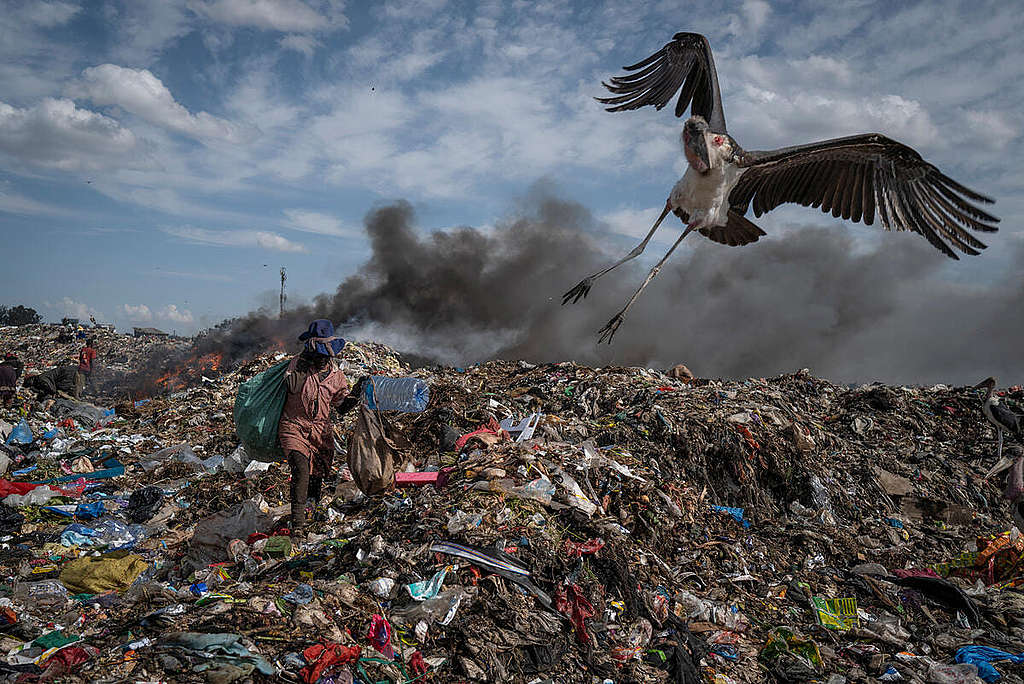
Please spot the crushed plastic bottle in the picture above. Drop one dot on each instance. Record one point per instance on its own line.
(632, 645)
(820, 494)
(463, 521)
(695, 608)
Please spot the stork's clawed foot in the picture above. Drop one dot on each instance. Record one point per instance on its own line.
(579, 292)
(608, 331)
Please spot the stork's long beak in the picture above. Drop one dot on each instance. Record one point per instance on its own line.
(697, 150)
(985, 383)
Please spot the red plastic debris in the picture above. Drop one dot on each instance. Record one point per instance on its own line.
(321, 657)
(577, 549)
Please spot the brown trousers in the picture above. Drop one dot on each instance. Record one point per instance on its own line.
(307, 481)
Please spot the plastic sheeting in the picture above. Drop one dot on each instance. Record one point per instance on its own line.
(214, 533)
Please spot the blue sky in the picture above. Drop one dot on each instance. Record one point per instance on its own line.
(160, 160)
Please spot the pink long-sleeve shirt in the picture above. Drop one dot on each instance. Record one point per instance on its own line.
(305, 424)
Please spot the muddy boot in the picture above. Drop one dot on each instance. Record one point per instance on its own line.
(314, 490)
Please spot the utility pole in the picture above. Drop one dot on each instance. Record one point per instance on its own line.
(284, 277)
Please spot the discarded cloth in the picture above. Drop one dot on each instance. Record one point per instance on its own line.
(300, 595)
(92, 575)
(10, 520)
(571, 603)
(488, 434)
(85, 413)
(225, 647)
(380, 636)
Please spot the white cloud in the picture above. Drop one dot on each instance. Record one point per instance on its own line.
(305, 44)
(143, 94)
(378, 56)
(47, 14)
(237, 238)
(14, 202)
(175, 315)
(143, 314)
(793, 117)
(751, 19)
(993, 128)
(58, 134)
(635, 224)
(274, 15)
(136, 314)
(146, 29)
(73, 309)
(315, 222)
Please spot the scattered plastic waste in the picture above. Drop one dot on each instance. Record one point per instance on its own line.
(583, 525)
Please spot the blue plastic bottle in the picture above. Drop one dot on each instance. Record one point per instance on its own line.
(410, 395)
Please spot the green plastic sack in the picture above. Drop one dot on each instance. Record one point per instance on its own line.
(258, 410)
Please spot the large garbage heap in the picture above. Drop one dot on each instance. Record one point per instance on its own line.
(651, 529)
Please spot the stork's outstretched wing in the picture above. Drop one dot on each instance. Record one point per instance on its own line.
(686, 62)
(859, 176)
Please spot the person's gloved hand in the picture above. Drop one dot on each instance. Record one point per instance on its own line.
(355, 395)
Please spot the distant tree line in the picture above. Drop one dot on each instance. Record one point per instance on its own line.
(19, 315)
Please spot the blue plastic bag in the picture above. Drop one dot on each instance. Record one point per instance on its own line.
(982, 657)
(21, 434)
(86, 511)
(736, 513)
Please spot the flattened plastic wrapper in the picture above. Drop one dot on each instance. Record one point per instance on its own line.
(836, 613)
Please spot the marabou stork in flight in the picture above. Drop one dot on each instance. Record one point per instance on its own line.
(860, 177)
(1000, 416)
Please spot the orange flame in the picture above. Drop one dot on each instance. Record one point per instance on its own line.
(190, 371)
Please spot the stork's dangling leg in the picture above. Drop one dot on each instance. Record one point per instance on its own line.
(1000, 449)
(583, 287)
(608, 331)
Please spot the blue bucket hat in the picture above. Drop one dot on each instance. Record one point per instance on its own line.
(321, 338)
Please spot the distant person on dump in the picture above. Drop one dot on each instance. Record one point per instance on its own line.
(10, 369)
(86, 358)
(316, 384)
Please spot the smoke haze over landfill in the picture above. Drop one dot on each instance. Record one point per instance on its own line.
(809, 297)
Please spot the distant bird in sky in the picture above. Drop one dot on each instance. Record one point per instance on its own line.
(856, 177)
(1000, 416)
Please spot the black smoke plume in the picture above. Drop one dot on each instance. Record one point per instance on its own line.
(807, 298)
